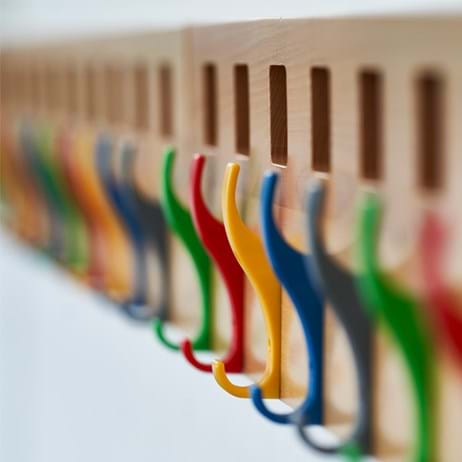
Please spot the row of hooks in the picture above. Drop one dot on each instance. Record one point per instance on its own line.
(73, 194)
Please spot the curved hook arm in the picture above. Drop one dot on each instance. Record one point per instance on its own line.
(441, 301)
(250, 254)
(116, 194)
(151, 222)
(400, 313)
(57, 245)
(95, 270)
(213, 235)
(340, 288)
(289, 266)
(181, 224)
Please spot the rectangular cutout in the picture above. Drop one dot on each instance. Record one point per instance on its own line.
(90, 93)
(320, 119)
(370, 94)
(34, 85)
(71, 91)
(210, 104)
(430, 123)
(166, 100)
(114, 95)
(51, 90)
(141, 100)
(278, 114)
(242, 109)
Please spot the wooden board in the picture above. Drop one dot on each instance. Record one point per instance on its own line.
(398, 50)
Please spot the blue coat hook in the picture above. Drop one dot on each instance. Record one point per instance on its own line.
(289, 266)
(149, 212)
(339, 285)
(121, 200)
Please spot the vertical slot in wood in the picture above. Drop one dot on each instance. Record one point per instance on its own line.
(51, 90)
(210, 104)
(278, 114)
(166, 101)
(242, 109)
(141, 100)
(114, 95)
(370, 95)
(34, 85)
(320, 119)
(72, 91)
(90, 93)
(430, 122)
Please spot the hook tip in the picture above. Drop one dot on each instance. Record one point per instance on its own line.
(188, 353)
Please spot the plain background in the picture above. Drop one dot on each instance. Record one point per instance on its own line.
(78, 382)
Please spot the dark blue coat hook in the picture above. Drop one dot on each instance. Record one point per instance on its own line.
(121, 200)
(289, 266)
(340, 288)
(149, 212)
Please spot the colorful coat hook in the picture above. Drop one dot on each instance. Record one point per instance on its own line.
(341, 291)
(156, 237)
(445, 309)
(180, 221)
(121, 199)
(289, 266)
(249, 252)
(75, 233)
(213, 235)
(117, 262)
(95, 269)
(400, 313)
(57, 241)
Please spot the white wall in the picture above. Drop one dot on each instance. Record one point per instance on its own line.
(79, 382)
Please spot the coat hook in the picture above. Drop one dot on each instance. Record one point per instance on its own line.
(441, 301)
(289, 266)
(95, 269)
(75, 234)
(249, 252)
(57, 242)
(340, 288)
(116, 281)
(151, 220)
(180, 221)
(399, 311)
(156, 235)
(213, 235)
(120, 197)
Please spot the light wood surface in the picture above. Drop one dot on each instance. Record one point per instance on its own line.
(399, 51)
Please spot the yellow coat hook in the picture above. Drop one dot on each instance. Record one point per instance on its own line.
(249, 251)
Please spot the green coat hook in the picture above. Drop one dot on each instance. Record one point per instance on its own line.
(49, 146)
(401, 314)
(180, 222)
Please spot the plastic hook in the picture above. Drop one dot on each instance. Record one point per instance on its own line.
(441, 301)
(289, 266)
(249, 252)
(57, 241)
(340, 288)
(156, 236)
(180, 221)
(399, 311)
(121, 199)
(95, 269)
(213, 235)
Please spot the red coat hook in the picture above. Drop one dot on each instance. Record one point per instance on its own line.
(446, 310)
(213, 235)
